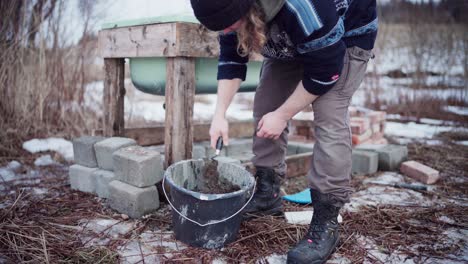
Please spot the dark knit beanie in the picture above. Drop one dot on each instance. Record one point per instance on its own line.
(217, 15)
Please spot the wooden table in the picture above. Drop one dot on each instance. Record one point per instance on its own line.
(180, 43)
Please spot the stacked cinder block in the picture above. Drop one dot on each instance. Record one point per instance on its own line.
(81, 174)
(118, 169)
(368, 159)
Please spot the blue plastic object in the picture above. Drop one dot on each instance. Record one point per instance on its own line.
(300, 197)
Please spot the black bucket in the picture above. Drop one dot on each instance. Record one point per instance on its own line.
(207, 220)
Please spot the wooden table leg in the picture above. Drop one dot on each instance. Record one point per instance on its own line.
(180, 93)
(113, 98)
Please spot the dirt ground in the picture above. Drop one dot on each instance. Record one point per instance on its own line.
(43, 221)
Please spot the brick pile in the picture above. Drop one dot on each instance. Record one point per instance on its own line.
(367, 126)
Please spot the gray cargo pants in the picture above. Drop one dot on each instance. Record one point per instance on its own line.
(331, 162)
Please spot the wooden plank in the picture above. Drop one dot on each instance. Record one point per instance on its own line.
(139, 41)
(113, 98)
(161, 40)
(194, 40)
(147, 136)
(158, 40)
(297, 165)
(180, 94)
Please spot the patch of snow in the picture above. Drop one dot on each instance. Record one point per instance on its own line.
(4, 205)
(44, 160)
(375, 255)
(338, 259)
(386, 178)
(219, 261)
(376, 195)
(40, 191)
(302, 217)
(446, 219)
(459, 110)
(151, 244)
(101, 231)
(464, 142)
(60, 145)
(274, 259)
(413, 130)
(6, 174)
(13, 165)
(431, 121)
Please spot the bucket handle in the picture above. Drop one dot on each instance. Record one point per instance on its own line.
(210, 222)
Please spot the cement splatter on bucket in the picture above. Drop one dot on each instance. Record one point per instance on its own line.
(207, 220)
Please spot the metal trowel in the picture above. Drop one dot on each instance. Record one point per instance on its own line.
(219, 147)
(210, 174)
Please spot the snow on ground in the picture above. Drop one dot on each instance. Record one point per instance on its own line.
(391, 90)
(457, 110)
(381, 257)
(60, 145)
(386, 195)
(150, 246)
(416, 131)
(44, 160)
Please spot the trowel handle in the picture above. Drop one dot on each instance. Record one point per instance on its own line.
(412, 186)
(219, 145)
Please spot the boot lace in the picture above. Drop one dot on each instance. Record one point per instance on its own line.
(323, 215)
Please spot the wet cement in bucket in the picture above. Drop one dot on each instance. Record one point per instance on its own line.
(210, 182)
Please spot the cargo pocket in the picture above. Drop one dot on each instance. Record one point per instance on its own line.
(356, 70)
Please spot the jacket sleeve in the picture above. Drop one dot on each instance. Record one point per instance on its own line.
(317, 30)
(230, 64)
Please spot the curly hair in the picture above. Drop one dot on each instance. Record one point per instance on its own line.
(252, 32)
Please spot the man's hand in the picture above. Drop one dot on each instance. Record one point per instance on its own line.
(219, 128)
(272, 125)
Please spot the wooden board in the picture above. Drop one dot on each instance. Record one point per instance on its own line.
(158, 40)
(180, 95)
(113, 99)
(147, 136)
(297, 165)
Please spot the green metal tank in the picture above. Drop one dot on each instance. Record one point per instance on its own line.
(149, 74)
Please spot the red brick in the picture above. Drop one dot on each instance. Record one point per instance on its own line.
(359, 139)
(359, 125)
(419, 172)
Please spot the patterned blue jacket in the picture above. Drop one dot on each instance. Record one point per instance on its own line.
(316, 32)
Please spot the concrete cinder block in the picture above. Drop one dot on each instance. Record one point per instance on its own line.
(133, 201)
(238, 146)
(199, 152)
(82, 178)
(364, 162)
(83, 150)
(138, 166)
(105, 148)
(391, 157)
(103, 178)
(419, 172)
